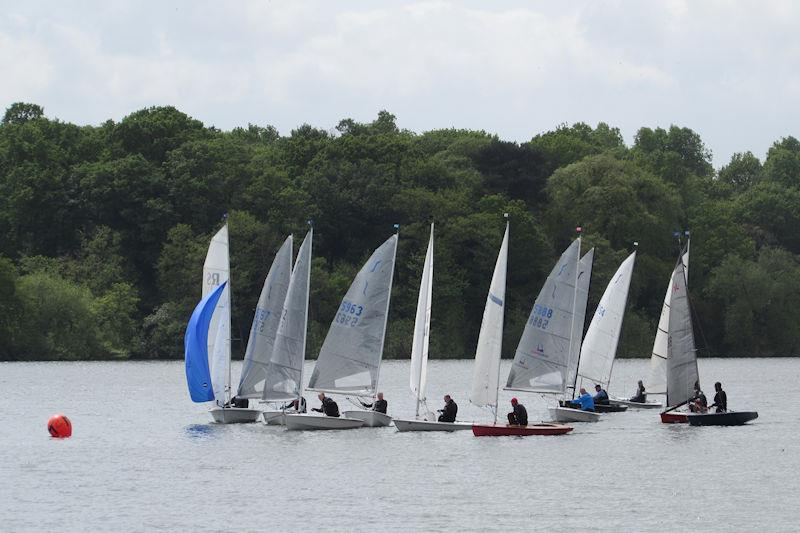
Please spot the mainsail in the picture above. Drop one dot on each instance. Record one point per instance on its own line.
(542, 360)
(490, 341)
(657, 383)
(216, 271)
(579, 313)
(600, 346)
(285, 369)
(422, 326)
(265, 323)
(682, 358)
(198, 375)
(350, 358)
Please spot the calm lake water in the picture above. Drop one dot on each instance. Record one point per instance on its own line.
(144, 457)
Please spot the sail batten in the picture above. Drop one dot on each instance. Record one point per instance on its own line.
(350, 357)
(265, 323)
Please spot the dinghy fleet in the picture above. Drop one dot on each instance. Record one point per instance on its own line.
(552, 358)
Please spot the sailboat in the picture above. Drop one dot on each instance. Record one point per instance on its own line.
(419, 355)
(486, 372)
(284, 369)
(599, 348)
(681, 368)
(350, 358)
(547, 356)
(216, 280)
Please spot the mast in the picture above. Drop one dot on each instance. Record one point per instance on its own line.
(574, 303)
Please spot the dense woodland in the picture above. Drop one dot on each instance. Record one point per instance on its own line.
(105, 228)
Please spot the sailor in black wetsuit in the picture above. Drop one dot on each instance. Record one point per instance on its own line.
(450, 410)
(293, 405)
(720, 399)
(329, 407)
(380, 405)
(519, 416)
(641, 395)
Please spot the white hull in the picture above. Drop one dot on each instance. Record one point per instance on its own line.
(302, 422)
(565, 414)
(273, 418)
(636, 405)
(234, 415)
(425, 425)
(371, 419)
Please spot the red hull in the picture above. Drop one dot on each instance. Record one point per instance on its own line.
(520, 431)
(674, 418)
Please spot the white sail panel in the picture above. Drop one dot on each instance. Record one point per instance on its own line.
(490, 341)
(220, 355)
(216, 270)
(541, 362)
(265, 323)
(579, 315)
(657, 384)
(350, 357)
(422, 325)
(682, 357)
(284, 375)
(600, 346)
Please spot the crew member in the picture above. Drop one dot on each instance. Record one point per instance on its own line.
(380, 405)
(698, 403)
(720, 398)
(450, 410)
(328, 408)
(641, 395)
(293, 405)
(601, 396)
(584, 400)
(519, 416)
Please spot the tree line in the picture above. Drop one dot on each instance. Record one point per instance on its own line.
(105, 228)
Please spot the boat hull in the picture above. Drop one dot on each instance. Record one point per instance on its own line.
(673, 417)
(519, 431)
(371, 419)
(636, 405)
(566, 414)
(731, 418)
(234, 415)
(426, 425)
(303, 422)
(610, 408)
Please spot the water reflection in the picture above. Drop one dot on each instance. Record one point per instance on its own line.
(200, 431)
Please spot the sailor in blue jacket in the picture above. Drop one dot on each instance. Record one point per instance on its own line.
(584, 400)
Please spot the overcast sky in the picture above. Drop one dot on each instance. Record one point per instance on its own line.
(728, 70)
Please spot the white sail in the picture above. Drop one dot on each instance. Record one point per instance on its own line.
(216, 270)
(285, 369)
(657, 383)
(542, 360)
(422, 325)
(350, 358)
(600, 346)
(682, 358)
(579, 314)
(265, 323)
(490, 341)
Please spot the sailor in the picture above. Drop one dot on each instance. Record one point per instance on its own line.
(720, 399)
(641, 395)
(584, 400)
(698, 402)
(601, 396)
(519, 416)
(242, 403)
(450, 410)
(328, 408)
(293, 405)
(380, 405)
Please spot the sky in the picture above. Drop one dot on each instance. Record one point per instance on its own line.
(728, 70)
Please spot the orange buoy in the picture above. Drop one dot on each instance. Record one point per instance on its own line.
(59, 426)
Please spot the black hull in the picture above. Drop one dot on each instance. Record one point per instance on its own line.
(731, 418)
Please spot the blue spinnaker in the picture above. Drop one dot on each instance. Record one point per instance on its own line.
(195, 344)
